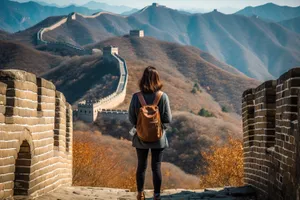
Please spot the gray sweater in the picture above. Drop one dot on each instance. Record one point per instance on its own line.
(166, 117)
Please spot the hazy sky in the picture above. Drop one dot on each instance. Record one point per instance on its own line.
(201, 4)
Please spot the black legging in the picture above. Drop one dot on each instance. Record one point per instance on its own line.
(156, 155)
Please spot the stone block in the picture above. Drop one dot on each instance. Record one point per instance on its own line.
(7, 75)
(28, 113)
(45, 84)
(59, 96)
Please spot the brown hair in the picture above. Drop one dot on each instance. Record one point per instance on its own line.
(150, 82)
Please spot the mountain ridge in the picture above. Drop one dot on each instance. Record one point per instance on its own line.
(226, 37)
(119, 9)
(19, 16)
(271, 12)
(292, 24)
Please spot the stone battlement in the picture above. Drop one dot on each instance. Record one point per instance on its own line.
(35, 135)
(271, 116)
(109, 50)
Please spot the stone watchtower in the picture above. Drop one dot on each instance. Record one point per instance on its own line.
(271, 114)
(137, 33)
(110, 50)
(35, 135)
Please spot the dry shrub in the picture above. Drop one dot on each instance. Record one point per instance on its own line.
(191, 134)
(103, 161)
(174, 177)
(99, 165)
(224, 165)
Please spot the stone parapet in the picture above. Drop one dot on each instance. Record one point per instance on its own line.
(35, 135)
(271, 137)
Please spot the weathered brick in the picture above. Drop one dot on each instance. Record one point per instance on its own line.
(272, 153)
(30, 108)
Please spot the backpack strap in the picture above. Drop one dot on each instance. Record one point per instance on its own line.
(141, 99)
(158, 96)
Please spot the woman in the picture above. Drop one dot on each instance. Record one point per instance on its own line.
(150, 85)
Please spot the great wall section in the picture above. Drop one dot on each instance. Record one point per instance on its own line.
(36, 128)
(89, 110)
(271, 114)
(64, 45)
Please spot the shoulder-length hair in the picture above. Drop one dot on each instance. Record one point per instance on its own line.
(150, 82)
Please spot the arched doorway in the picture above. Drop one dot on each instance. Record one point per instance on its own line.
(22, 171)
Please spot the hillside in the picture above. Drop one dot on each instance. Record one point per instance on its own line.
(17, 16)
(85, 77)
(15, 55)
(271, 12)
(4, 35)
(229, 38)
(78, 77)
(292, 24)
(181, 67)
(28, 36)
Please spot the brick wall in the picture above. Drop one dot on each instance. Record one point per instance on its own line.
(35, 135)
(271, 137)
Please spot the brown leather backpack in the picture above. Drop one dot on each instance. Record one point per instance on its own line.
(149, 126)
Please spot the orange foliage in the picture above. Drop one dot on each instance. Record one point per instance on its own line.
(103, 161)
(224, 165)
(98, 165)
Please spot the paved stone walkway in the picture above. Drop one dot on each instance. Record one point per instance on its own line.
(91, 193)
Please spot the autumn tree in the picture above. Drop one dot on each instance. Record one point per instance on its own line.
(224, 165)
(95, 165)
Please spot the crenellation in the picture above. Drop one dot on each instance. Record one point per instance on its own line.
(28, 111)
(69, 127)
(270, 163)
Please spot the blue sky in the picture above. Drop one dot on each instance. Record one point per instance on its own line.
(183, 4)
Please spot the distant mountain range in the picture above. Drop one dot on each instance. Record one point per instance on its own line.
(226, 10)
(260, 49)
(15, 16)
(130, 12)
(107, 7)
(292, 24)
(271, 12)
